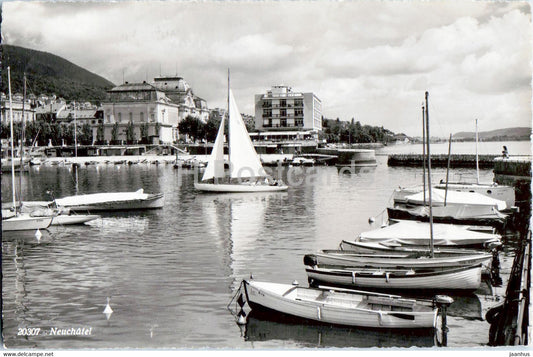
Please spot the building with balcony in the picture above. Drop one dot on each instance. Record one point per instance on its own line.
(281, 109)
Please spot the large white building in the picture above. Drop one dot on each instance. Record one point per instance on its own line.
(281, 109)
(157, 107)
(143, 105)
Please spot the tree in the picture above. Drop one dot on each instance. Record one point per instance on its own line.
(130, 133)
(144, 133)
(85, 134)
(100, 133)
(114, 134)
(193, 127)
(157, 129)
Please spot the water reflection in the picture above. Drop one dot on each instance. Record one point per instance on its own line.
(171, 272)
(262, 327)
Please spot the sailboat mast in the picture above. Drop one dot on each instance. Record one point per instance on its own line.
(12, 140)
(429, 180)
(229, 146)
(75, 133)
(22, 138)
(448, 168)
(477, 158)
(424, 151)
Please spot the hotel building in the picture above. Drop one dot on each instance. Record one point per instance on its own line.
(282, 112)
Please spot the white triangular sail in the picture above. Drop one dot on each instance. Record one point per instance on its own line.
(215, 165)
(244, 161)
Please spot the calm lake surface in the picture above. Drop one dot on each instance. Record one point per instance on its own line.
(170, 273)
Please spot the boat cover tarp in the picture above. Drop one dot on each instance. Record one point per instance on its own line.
(456, 198)
(101, 197)
(404, 230)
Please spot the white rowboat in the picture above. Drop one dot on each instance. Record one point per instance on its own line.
(341, 307)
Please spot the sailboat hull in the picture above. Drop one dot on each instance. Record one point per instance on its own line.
(448, 214)
(238, 188)
(502, 193)
(112, 201)
(23, 222)
(63, 220)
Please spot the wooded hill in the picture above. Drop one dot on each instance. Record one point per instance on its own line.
(513, 134)
(50, 74)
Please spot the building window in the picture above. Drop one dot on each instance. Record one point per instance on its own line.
(141, 115)
(131, 116)
(120, 117)
(299, 122)
(152, 116)
(298, 103)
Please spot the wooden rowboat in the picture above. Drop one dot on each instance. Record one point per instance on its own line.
(463, 278)
(341, 306)
(411, 261)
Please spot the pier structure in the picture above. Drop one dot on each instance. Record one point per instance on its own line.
(347, 157)
(510, 321)
(441, 160)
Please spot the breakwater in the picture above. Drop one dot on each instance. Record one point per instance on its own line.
(456, 161)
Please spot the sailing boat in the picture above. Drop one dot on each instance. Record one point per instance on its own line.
(246, 171)
(493, 190)
(15, 220)
(458, 272)
(449, 206)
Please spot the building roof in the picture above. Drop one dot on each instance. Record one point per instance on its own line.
(126, 87)
(172, 84)
(80, 114)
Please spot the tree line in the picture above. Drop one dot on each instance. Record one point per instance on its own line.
(198, 130)
(337, 131)
(42, 133)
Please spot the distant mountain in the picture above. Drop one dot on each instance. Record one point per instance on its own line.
(50, 74)
(512, 134)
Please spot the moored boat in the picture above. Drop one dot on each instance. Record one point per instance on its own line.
(342, 258)
(71, 219)
(24, 222)
(341, 307)
(449, 207)
(414, 233)
(400, 249)
(466, 278)
(112, 201)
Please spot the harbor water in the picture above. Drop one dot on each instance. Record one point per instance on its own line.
(170, 273)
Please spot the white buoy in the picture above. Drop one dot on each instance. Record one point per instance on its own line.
(295, 283)
(108, 310)
(241, 320)
(38, 234)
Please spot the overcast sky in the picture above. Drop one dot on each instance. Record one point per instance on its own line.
(371, 60)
